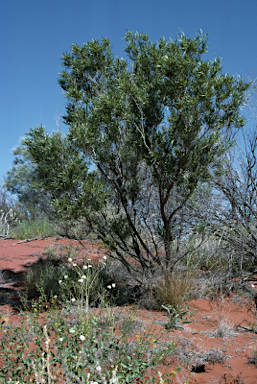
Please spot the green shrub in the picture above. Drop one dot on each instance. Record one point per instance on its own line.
(73, 345)
(33, 228)
(61, 275)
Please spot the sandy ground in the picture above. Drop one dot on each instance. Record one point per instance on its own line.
(215, 346)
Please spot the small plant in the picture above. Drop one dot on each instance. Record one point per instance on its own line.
(61, 275)
(225, 329)
(174, 288)
(43, 277)
(130, 323)
(177, 314)
(50, 252)
(253, 359)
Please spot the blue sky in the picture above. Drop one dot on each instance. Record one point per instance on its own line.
(35, 34)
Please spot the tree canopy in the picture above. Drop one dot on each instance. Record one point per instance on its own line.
(33, 201)
(143, 133)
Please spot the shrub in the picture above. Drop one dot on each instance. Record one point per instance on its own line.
(73, 347)
(60, 274)
(171, 289)
(33, 228)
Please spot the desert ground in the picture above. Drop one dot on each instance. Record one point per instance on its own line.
(215, 347)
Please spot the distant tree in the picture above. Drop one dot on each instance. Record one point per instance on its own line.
(33, 201)
(230, 211)
(142, 134)
(6, 199)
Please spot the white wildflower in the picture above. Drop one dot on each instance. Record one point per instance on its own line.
(82, 338)
(109, 286)
(89, 266)
(73, 299)
(61, 339)
(74, 265)
(65, 277)
(252, 285)
(81, 280)
(55, 296)
(113, 285)
(105, 258)
(98, 368)
(84, 266)
(83, 277)
(60, 281)
(69, 259)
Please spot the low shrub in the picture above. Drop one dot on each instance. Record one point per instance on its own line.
(76, 345)
(173, 289)
(33, 228)
(61, 275)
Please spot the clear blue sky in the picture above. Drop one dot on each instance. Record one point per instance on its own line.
(35, 33)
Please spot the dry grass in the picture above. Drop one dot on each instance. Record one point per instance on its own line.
(173, 289)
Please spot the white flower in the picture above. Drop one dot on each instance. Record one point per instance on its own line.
(252, 286)
(83, 277)
(98, 368)
(55, 296)
(81, 280)
(109, 286)
(74, 265)
(69, 259)
(61, 339)
(93, 382)
(105, 258)
(89, 259)
(113, 285)
(84, 266)
(60, 281)
(82, 338)
(65, 277)
(72, 330)
(73, 299)
(89, 266)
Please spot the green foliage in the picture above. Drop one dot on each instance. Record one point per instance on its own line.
(6, 200)
(61, 275)
(143, 133)
(33, 203)
(177, 314)
(28, 229)
(74, 345)
(72, 356)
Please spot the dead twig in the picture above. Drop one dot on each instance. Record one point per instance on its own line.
(35, 238)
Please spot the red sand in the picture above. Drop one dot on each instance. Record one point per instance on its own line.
(198, 337)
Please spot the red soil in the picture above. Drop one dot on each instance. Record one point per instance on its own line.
(198, 337)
